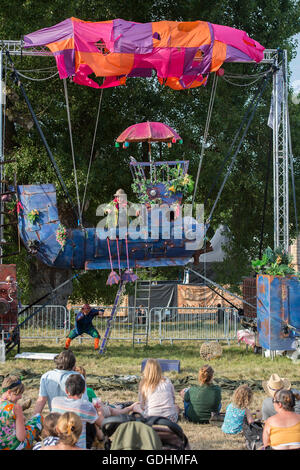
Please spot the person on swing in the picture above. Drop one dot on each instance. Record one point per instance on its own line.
(84, 324)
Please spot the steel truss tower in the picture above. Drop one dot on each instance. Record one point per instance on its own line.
(275, 57)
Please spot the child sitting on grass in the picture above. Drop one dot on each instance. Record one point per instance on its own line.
(49, 433)
(237, 410)
(15, 433)
(69, 429)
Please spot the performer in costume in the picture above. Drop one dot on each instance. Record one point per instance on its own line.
(84, 324)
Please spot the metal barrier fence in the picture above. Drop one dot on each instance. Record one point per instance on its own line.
(49, 322)
(163, 324)
(186, 323)
(172, 324)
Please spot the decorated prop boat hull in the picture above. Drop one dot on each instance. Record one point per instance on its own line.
(84, 249)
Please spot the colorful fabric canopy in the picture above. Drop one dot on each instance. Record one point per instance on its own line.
(181, 53)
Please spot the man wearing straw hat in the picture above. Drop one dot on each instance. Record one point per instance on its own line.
(271, 386)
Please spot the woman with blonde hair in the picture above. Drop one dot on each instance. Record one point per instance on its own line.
(237, 410)
(203, 400)
(68, 428)
(156, 393)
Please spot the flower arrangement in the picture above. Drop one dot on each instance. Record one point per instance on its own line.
(180, 182)
(61, 235)
(274, 263)
(175, 180)
(33, 216)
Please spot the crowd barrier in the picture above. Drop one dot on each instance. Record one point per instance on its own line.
(162, 324)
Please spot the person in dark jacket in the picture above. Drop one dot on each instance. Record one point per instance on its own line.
(84, 324)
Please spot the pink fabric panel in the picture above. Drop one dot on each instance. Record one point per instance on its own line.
(81, 77)
(167, 62)
(86, 34)
(61, 66)
(236, 38)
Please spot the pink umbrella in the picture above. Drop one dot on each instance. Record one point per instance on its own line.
(149, 132)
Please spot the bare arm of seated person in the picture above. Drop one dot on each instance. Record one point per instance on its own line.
(40, 404)
(249, 416)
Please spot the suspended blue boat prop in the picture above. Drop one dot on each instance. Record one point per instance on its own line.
(84, 249)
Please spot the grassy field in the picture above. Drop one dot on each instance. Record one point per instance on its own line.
(234, 367)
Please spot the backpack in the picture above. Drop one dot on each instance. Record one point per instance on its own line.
(253, 434)
(135, 435)
(169, 433)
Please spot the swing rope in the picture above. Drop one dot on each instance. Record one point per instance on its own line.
(251, 109)
(72, 150)
(205, 135)
(92, 151)
(50, 155)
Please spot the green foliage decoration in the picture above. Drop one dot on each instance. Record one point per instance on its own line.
(274, 263)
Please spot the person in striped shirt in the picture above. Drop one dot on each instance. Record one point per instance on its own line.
(73, 402)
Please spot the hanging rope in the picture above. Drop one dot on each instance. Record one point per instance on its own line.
(254, 106)
(53, 162)
(92, 151)
(249, 111)
(72, 150)
(265, 197)
(209, 113)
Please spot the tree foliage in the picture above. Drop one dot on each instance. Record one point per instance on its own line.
(241, 206)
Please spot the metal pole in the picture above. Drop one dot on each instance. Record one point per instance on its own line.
(280, 155)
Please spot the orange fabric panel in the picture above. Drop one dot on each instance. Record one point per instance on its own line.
(61, 45)
(92, 22)
(185, 34)
(105, 65)
(174, 83)
(218, 55)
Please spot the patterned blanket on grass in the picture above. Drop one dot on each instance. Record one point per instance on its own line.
(130, 382)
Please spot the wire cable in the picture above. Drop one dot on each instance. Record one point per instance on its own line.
(72, 151)
(208, 119)
(92, 151)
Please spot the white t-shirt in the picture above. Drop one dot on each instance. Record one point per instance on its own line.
(161, 402)
(84, 409)
(53, 384)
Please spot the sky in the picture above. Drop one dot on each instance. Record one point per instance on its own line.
(295, 68)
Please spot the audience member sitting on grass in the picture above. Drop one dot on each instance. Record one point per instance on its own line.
(271, 386)
(282, 431)
(73, 402)
(69, 429)
(237, 410)
(15, 433)
(204, 400)
(90, 392)
(49, 434)
(53, 382)
(156, 393)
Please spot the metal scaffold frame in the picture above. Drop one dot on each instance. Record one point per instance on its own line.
(275, 57)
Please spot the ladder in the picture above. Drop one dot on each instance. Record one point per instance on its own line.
(112, 316)
(140, 325)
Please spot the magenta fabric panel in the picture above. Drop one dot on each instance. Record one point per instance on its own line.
(81, 77)
(240, 40)
(87, 34)
(132, 38)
